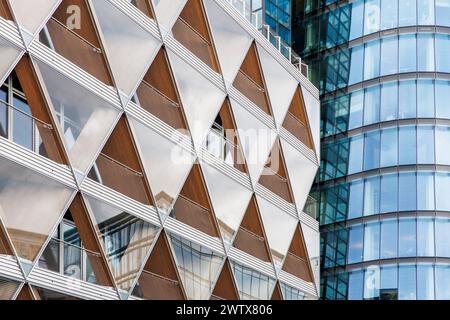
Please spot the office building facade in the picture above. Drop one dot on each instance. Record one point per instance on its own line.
(383, 72)
(152, 150)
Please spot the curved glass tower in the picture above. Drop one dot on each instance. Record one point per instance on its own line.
(383, 70)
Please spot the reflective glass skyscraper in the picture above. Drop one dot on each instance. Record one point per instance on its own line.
(383, 72)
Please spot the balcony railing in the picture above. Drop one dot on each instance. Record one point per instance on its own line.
(271, 36)
(297, 128)
(120, 177)
(276, 183)
(311, 207)
(70, 260)
(160, 105)
(77, 49)
(222, 147)
(23, 129)
(251, 90)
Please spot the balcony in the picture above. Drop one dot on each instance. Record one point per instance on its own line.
(251, 90)
(298, 129)
(193, 214)
(251, 243)
(76, 49)
(160, 105)
(219, 145)
(22, 128)
(194, 42)
(70, 260)
(311, 208)
(276, 183)
(120, 177)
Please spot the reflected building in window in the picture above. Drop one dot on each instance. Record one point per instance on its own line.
(382, 70)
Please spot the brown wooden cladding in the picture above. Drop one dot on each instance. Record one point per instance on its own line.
(277, 295)
(25, 293)
(80, 46)
(192, 31)
(276, 181)
(225, 288)
(229, 126)
(157, 93)
(250, 81)
(90, 241)
(296, 121)
(192, 206)
(4, 11)
(5, 247)
(297, 261)
(159, 279)
(39, 110)
(119, 165)
(250, 236)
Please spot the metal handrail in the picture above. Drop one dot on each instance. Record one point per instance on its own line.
(218, 126)
(276, 174)
(46, 125)
(260, 89)
(173, 103)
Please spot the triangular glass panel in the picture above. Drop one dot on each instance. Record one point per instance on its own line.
(277, 295)
(119, 167)
(250, 81)
(26, 112)
(312, 241)
(231, 41)
(120, 33)
(126, 240)
(280, 84)
(312, 106)
(166, 165)
(25, 293)
(296, 121)
(297, 260)
(229, 199)
(167, 12)
(276, 220)
(191, 30)
(144, 6)
(76, 40)
(198, 267)
(32, 15)
(66, 253)
(291, 293)
(256, 139)
(5, 245)
(222, 140)
(302, 172)
(158, 95)
(29, 223)
(225, 288)
(45, 294)
(8, 288)
(192, 206)
(252, 285)
(9, 55)
(250, 237)
(5, 12)
(159, 279)
(84, 118)
(274, 175)
(200, 98)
